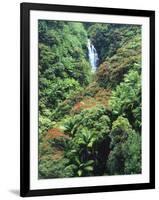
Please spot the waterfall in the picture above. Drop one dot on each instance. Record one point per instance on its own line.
(93, 56)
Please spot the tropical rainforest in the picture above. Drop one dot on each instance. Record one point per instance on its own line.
(89, 120)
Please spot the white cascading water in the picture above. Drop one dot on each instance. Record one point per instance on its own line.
(93, 56)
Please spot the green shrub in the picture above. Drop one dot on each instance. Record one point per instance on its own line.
(54, 169)
(125, 154)
(126, 99)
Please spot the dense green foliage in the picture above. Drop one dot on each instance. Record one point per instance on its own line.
(125, 155)
(89, 123)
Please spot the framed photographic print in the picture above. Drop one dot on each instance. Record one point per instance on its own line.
(87, 99)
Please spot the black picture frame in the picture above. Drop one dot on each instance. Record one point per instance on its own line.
(25, 9)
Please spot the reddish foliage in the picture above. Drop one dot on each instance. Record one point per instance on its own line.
(55, 133)
(102, 96)
(87, 103)
(57, 154)
(78, 106)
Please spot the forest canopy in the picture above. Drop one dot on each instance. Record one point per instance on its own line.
(89, 120)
